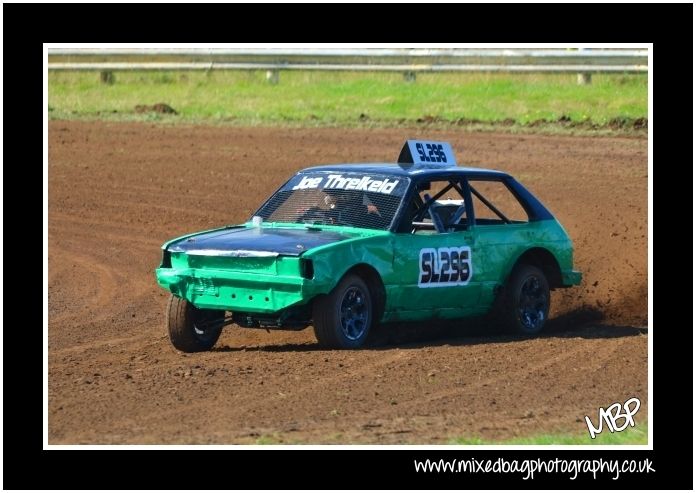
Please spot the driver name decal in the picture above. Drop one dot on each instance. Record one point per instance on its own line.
(445, 267)
(339, 182)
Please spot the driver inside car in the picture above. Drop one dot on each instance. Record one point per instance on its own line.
(340, 208)
(348, 203)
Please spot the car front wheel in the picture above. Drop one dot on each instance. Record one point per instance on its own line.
(342, 319)
(193, 329)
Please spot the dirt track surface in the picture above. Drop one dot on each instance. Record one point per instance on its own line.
(118, 191)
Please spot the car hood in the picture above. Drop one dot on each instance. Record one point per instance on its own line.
(255, 242)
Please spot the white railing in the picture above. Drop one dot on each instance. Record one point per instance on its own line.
(377, 60)
(584, 62)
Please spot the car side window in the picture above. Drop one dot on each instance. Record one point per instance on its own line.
(438, 207)
(494, 203)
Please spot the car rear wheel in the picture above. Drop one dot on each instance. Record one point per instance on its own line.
(343, 318)
(192, 329)
(526, 300)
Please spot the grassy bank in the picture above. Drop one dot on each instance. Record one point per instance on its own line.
(338, 98)
(637, 435)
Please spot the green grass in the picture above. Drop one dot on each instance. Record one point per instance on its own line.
(268, 440)
(637, 435)
(341, 98)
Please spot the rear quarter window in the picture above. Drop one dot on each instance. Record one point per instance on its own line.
(495, 193)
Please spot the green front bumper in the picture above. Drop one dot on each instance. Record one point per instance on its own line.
(236, 291)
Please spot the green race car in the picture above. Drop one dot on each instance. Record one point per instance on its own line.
(344, 247)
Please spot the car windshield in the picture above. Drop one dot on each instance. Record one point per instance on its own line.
(361, 200)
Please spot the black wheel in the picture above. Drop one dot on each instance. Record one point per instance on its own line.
(342, 319)
(192, 329)
(526, 300)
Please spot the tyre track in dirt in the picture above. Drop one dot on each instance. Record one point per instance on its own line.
(105, 286)
(507, 398)
(118, 191)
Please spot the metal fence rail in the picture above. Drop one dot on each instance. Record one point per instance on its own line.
(109, 66)
(363, 59)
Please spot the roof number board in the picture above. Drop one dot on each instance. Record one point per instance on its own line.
(427, 153)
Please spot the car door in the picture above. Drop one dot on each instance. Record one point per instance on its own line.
(501, 229)
(436, 269)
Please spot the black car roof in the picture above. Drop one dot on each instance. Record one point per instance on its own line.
(399, 170)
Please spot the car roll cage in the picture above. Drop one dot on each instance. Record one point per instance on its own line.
(461, 183)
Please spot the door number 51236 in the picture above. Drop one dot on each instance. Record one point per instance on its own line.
(445, 267)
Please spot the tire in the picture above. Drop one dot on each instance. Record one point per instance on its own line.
(526, 301)
(183, 320)
(343, 318)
